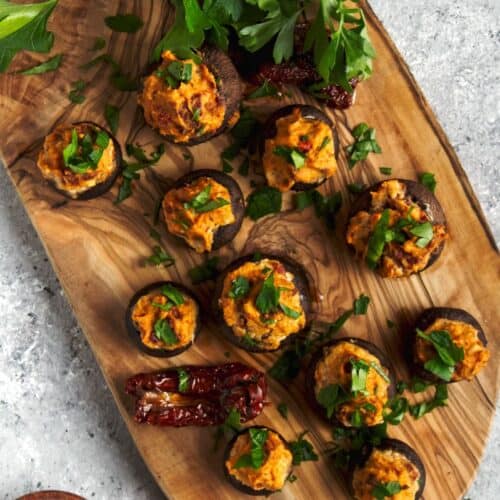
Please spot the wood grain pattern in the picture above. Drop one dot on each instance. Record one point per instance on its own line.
(98, 249)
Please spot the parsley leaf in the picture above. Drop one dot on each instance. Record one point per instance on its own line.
(359, 373)
(267, 299)
(183, 380)
(291, 155)
(255, 459)
(302, 450)
(267, 89)
(263, 201)
(173, 294)
(424, 232)
(385, 170)
(428, 180)
(231, 425)
(112, 116)
(361, 304)
(50, 65)
(383, 490)
(364, 144)
(239, 288)
(204, 272)
(75, 94)
(24, 27)
(82, 154)
(99, 44)
(283, 410)
(159, 257)
(287, 366)
(377, 240)
(202, 203)
(124, 23)
(291, 313)
(440, 399)
(448, 354)
(325, 207)
(357, 187)
(164, 332)
(331, 396)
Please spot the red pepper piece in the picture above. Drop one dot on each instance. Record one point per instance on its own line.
(208, 396)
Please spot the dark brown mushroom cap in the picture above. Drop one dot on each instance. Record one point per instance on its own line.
(269, 131)
(235, 482)
(419, 194)
(318, 355)
(426, 319)
(394, 445)
(136, 335)
(300, 281)
(224, 234)
(229, 85)
(101, 188)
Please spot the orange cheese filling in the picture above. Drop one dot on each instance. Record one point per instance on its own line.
(463, 335)
(197, 228)
(313, 139)
(398, 259)
(272, 474)
(247, 321)
(194, 108)
(382, 467)
(181, 318)
(335, 368)
(51, 161)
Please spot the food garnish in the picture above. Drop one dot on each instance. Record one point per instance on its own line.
(364, 144)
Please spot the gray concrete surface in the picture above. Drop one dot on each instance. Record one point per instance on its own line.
(59, 427)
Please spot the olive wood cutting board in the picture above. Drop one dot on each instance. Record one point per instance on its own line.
(98, 249)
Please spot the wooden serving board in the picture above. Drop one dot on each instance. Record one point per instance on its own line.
(98, 249)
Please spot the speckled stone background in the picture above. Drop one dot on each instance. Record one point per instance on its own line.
(59, 427)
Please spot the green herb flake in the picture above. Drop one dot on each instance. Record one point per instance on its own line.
(239, 288)
(160, 257)
(424, 232)
(204, 272)
(283, 410)
(440, 399)
(196, 114)
(302, 450)
(291, 155)
(364, 144)
(291, 313)
(324, 143)
(164, 332)
(385, 490)
(183, 380)
(428, 180)
(385, 170)
(75, 95)
(395, 410)
(448, 354)
(257, 455)
(173, 294)
(24, 27)
(124, 23)
(112, 116)
(377, 240)
(267, 89)
(99, 44)
(361, 304)
(164, 307)
(263, 201)
(46, 67)
(227, 168)
(286, 367)
(359, 374)
(267, 299)
(356, 187)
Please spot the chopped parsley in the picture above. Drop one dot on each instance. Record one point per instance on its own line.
(324, 143)
(384, 490)
(173, 294)
(440, 399)
(124, 23)
(291, 313)
(231, 425)
(377, 240)
(112, 116)
(360, 305)
(257, 455)
(75, 95)
(359, 374)
(326, 207)
(356, 187)
(164, 332)
(204, 272)
(160, 257)
(302, 450)
(82, 154)
(448, 354)
(364, 144)
(424, 232)
(176, 73)
(239, 288)
(283, 410)
(263, 201)
(202, 203)
(267, 300)
(385, 170)
(267, 89)
(46, 67)
(292, 155)
(428, 180)
(183, 379)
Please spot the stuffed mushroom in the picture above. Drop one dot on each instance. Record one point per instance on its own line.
(258, 461)
(262, 302)
(390, 470)
(205, 208)
(299, 148)
(349, 382)
(189, 101)
(449, 345)
(163, 319)
(81, 160)
(397, 227)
